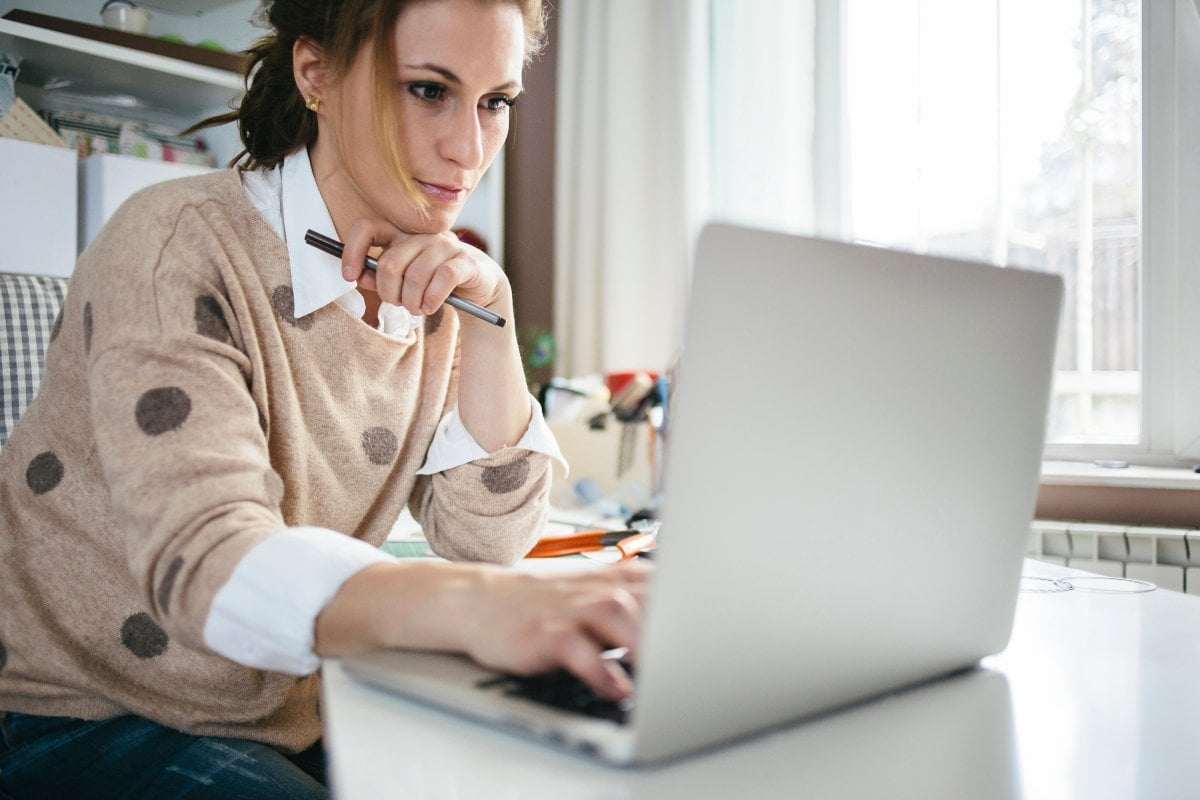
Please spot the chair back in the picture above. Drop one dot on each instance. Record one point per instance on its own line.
(29, 310)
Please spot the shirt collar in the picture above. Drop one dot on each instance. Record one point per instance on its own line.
(316, 276)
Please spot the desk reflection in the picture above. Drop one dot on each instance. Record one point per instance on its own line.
(951, 738)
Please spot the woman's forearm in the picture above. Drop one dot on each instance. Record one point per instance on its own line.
(505, 619)
(493, 399)
(416, 606)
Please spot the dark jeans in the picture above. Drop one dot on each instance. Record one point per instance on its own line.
(48, 757)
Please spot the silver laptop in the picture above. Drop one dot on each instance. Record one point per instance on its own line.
(854, 452)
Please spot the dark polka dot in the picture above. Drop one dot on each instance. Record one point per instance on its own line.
(87, 328)
(380, 445)
(284, 301)
(142, 637)
(210, 319)
(273, 486)
(168, 583)
(45, 472)
(57, 326)
(161, 410)
(506, 477)
(434, 321)
(3, 655)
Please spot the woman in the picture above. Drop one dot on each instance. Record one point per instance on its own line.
(230, 422)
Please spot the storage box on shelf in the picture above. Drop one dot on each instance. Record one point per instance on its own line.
(107, 180)
(38, 212)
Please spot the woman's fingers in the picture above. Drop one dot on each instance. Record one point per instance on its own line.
(359, 239)
(430, 275)
(581, 657)
(528, 623)
(579, 618)
(446, 278)
(418, 271)
(614, 619)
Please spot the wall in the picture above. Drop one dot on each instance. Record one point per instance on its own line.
(529, 202)
(1167, 507)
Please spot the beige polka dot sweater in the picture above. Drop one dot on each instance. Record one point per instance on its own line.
(184, 416)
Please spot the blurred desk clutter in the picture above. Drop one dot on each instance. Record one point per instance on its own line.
(612, 430)
(629, 542)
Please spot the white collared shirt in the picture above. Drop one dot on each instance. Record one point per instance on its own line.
(256, 619)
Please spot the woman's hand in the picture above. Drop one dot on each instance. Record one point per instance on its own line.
(419, 270)
(529, 623)
(505, 619)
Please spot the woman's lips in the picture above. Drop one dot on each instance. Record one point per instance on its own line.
(443, 194)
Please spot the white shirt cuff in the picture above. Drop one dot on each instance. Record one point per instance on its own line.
(264, 616)
(453, 445)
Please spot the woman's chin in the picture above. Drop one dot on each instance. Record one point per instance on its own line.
(435, 222)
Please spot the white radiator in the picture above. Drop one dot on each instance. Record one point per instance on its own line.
(1167, 557)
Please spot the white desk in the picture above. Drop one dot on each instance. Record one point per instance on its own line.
(1097, 696)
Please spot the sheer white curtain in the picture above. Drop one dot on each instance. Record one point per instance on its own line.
(631, 185)
(763, 162)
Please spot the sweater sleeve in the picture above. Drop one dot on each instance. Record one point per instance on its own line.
(491, 509)
(259, 619)
(453, 445)
(178, 432)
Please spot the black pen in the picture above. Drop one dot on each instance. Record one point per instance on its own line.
(334, 248)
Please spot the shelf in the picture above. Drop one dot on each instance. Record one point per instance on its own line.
(1078, 473)
(194, 7)
(231, 62)
(173, 84)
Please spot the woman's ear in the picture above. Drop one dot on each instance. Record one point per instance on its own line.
(308, 69)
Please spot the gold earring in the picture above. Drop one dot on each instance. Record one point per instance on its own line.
(312, 104)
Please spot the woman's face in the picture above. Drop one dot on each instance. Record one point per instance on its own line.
(457, 71)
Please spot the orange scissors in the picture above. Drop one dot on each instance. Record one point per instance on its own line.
(628, 542)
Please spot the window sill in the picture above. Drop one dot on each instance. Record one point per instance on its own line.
(1082, 473)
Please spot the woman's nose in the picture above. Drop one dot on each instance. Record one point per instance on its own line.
(463, 142)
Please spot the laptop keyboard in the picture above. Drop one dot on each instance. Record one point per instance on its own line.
(563, 690)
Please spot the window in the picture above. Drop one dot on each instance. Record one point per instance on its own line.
(1008, 131)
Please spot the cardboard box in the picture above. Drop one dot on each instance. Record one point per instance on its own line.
(108, 179)
(38, 208)
(620, 458)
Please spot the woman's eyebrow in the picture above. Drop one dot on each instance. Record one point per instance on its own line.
(450, 77)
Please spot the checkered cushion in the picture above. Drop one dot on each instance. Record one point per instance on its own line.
(29, 305)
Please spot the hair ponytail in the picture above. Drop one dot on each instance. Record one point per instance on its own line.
(271, 118)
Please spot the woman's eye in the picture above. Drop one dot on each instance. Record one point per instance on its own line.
(500, 103)
(427, 91)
